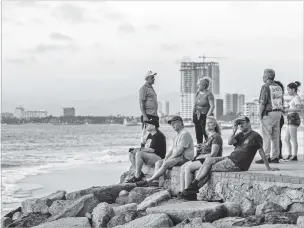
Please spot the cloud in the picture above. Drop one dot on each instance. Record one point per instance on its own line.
(43, 48)
(20, 60)
(115, 16)
(183, 59)
(170, 47)
(152, 27)
(69, 12)
(126, 28)
(61, 37)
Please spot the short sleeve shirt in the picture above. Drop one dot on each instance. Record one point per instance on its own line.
(202, 101)
(246, 147)
(296, 100)
(184, 139)
(215, 139)
(148, 95)
(271, 96)
(158, 143)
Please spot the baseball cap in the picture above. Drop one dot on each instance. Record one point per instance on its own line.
(150, 73)
(153, 122)
(242, 119)
(175, 118)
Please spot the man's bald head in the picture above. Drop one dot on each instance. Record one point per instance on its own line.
(269, 74)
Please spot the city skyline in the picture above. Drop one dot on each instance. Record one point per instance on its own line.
(93, 55)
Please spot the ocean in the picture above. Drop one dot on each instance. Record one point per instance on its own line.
(36, 149)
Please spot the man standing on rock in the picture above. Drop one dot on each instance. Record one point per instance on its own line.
(181, 152)
(270, 112)
(153, 151)
(246, 143)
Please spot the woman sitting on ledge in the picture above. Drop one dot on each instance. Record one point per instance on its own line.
(211, 148)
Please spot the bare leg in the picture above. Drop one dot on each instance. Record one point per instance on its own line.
(139, 163)
(189, 172)
(294, 141)
(158, 164)
(182, 176)
(287, 140)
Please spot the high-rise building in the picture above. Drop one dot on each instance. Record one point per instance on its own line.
(251, 110)
(233, 103)
(166, 107)
(68, 111)
(18, 112)
(241, 103)
(219, 108)
(190, 73)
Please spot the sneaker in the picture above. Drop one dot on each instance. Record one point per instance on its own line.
(191, 188)
(293, 158)
(142, 183)
(134, 179)
(280, 157)
(187, 195)
(261, 161)
(288, 157)
(274, 160)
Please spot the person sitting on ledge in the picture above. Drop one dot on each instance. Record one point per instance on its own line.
(211, 148)
(246, 143)
(181, 152)
(154, 150)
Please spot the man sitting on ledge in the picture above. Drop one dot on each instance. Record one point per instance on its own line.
(246, 143)
(154, 150)
(181, 152)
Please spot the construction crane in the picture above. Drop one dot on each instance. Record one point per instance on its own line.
(209, 57)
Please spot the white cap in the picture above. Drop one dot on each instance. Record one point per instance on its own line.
(150, 73)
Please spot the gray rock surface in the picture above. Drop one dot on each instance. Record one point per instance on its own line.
(124, 208)
(300, 221)
(16, 215)
(232, 209)
(154, 200)
(5, 221)
(59, 195)
(227, 222)
(281, 218)
(275, 226)
(194, 223)
(296, 207)
(268, 207)
(248, 207)
(149, 221)
(36, 206)
(101, 215)
(122, 218)
(59, 205)
(11, 213)
(190, 209)
(79, 222)
(138, 194)
(29, 220)
(104, 194)
(77, 208)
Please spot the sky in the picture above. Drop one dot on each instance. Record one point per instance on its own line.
(94, 55)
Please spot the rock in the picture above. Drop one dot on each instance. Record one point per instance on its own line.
(232, 209)
(190, 209)
(300, 221)
(16, 215)
(88, 215)
(227, 222)
(59, 195)
(104, 194)
(101, 215)
(147, 170)
(194, 223)
(154, 200)
(296, 207)
(36, 206)
(122, 200)
(268, 207)
(251, 221)
(59, 205)
(149, 221)
(5, 221)
(29, 220)
(248, 208)
(122, 209)
(10, 214)
(79, 222)
(138, 194)
(123, 193)
(273, 226)
(122, 219)
(78, 208)
(281, 218)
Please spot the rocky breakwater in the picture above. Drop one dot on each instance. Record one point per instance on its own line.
(125, 205)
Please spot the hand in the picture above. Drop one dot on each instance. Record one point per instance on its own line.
(273, 169)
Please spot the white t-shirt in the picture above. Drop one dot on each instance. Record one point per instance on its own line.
(296, 100)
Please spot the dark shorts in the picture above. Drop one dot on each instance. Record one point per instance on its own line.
(294, 119)
(150, 117)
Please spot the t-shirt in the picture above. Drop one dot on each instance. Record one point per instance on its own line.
(271, 96)
(296, 100)
(246, 147)
(213, 139)
(148, 95)
(202, 101)
(184, 139)
(158, 143)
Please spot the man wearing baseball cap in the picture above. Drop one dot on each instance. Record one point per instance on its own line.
(181, 152)
(154, 150)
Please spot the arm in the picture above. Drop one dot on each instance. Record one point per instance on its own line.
(214, 150)
(142, 109)
(262, 154)
(179, 151)
(261, 110)
(262, 101)
(297, 109)
(231, 138)
(168, 155)
(148, 150)
(211, 102)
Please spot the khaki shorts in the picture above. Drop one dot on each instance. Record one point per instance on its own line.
(170, 163)
(224, 164)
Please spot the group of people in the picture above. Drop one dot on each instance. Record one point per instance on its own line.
(209, 147)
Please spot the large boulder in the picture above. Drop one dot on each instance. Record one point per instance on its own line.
(194, 223)
(232, 209)
(104, 194)
(138, 194)
(149, 221)
(36, 206)
(122, 209)
(101, 215)
(251, 221)
(227, 222)
(59, 195)
(300, 221)
(122, 198)
(5, 221)
(79, 222)
(78, 208)
(268, 207)
(16, 215)
(296, 207)
(281, 218)
(30, 220)
(59, 205)
(190, 209)
(154, 200)
(122, 218)
(10, 214)
(248, 208)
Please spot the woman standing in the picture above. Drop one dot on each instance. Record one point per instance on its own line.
(294, 121)
(212, 148)
(203, 107)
